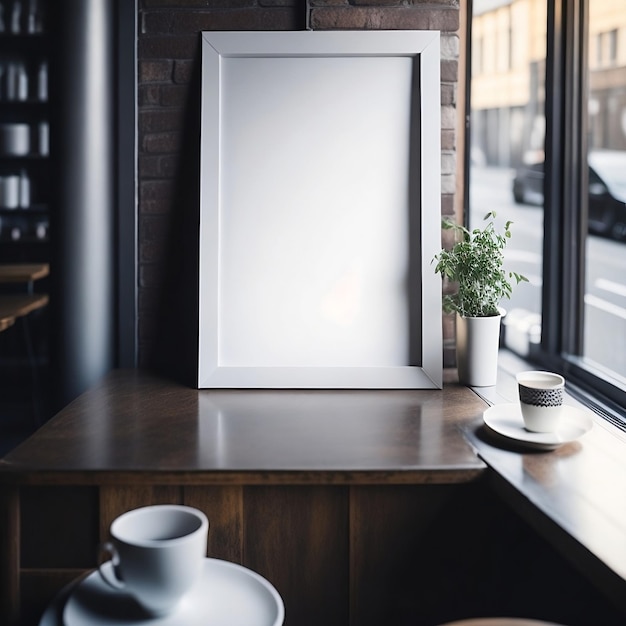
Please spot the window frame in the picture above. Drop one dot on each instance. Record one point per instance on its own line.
(566, 179)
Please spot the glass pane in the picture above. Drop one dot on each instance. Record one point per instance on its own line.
(605, 287)
(507, 146)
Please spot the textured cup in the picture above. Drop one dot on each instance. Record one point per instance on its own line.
(158, 553)
(541, 400)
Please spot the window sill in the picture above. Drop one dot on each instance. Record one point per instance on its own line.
(573, 496)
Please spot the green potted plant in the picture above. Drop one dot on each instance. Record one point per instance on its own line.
(475, 264)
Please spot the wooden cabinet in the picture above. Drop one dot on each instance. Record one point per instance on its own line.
(339, 555)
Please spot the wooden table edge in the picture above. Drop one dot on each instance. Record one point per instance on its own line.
(13, 476)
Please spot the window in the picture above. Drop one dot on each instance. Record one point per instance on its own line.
(507, 140)
(612, 46)
(604, 309)
(606, 44)
(548, 141)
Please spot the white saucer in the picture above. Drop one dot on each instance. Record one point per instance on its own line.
(227, 595)
(506, 420)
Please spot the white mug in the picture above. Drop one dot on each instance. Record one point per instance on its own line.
(157, 554)
(541, 400)
(14, 139)
(10, 191)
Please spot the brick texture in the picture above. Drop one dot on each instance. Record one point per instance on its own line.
(390, 17)
(168, 58)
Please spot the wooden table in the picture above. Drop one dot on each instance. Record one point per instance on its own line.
(23, 272)
(312, 489)
(6, 322)
(12, 307)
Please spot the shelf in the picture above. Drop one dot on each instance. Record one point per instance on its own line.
(30, 241)
(34, 158)
(35, 209)
(25, 108)
(33, 163)
(30, 44)
(25, 37)
(25, 252)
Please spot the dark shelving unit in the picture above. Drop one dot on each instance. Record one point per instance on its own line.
(81, 216)
(25, 206)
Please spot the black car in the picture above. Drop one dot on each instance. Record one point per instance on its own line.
(607, 191)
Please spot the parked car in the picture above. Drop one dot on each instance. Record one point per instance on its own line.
(607, 191)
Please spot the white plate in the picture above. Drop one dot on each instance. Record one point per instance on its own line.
(506, 420)
(227, 595)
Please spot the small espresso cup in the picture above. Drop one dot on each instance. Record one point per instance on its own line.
(541, 400)
(157, 555)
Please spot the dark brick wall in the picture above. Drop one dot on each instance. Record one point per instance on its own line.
(168, 47)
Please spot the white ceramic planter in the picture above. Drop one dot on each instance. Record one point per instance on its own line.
(477, 343)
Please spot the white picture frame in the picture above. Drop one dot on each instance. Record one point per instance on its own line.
(320, 210)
